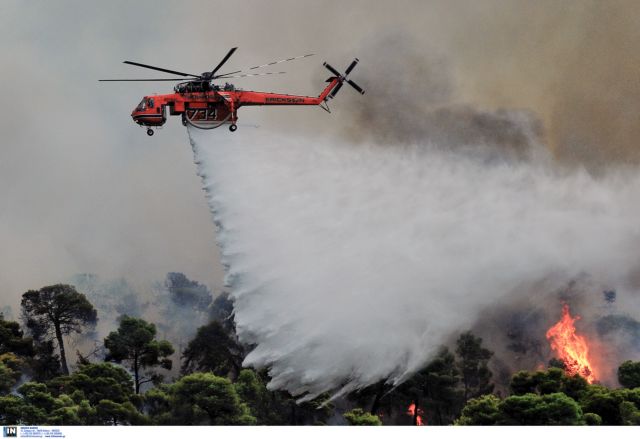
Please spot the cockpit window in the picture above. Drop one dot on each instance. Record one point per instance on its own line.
(142, 105)
(150, 102)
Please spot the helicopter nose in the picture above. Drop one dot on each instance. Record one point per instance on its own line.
(148, 117)
(138, 117)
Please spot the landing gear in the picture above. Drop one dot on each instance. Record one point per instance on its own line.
(233, 127)
(149, 132)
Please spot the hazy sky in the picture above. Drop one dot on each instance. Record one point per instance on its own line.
(83, 189)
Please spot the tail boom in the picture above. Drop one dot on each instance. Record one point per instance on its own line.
(251, 98)
(248, 98)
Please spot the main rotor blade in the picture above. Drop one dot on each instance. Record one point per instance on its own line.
(268, 64)
(250, 74)
(225, 74)
(120, 80)
(356, 86)
(280, 61)
(351, 66)
(160, 69)
(224, 60)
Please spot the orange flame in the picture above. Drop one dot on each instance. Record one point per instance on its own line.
(412, 411)
(571, 347)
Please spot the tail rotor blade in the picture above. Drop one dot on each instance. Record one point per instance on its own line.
(335, 91)
(351, 66)
(356, 86)
(332, 70)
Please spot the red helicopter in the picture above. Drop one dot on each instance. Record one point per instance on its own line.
(205, 105)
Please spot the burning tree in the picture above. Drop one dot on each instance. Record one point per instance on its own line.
(571, 347)
(416, 414)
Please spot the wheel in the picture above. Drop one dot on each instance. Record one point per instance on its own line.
(149, 132)
(233, 127)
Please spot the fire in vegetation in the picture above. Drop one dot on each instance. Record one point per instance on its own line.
(416, 416)
(571, 347)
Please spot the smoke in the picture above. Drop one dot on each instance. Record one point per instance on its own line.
(350, 264)
(177, 305)
(412, 101)
(574, 64)
(83, 189)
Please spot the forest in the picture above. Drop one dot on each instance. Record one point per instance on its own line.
(92, 353)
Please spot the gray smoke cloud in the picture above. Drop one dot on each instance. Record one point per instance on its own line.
(79, 182)
(82, 189)
(353, 264)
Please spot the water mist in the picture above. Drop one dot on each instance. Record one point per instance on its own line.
(350, 264)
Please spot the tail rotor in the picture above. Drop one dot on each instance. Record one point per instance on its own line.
(343, 78)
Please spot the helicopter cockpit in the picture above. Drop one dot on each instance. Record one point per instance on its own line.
(144, 104)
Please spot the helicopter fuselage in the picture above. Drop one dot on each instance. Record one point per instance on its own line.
(214, 107)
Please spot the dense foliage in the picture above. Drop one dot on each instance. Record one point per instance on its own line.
(551, 397)
(132, 380)
(214, 350)
(360, 417)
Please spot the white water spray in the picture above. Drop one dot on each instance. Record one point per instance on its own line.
(352, 264)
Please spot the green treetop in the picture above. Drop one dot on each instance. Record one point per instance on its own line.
(199, 399)
(629, 374)
(58, 310)
(360, 417)
(473, 359)
(134, 343)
